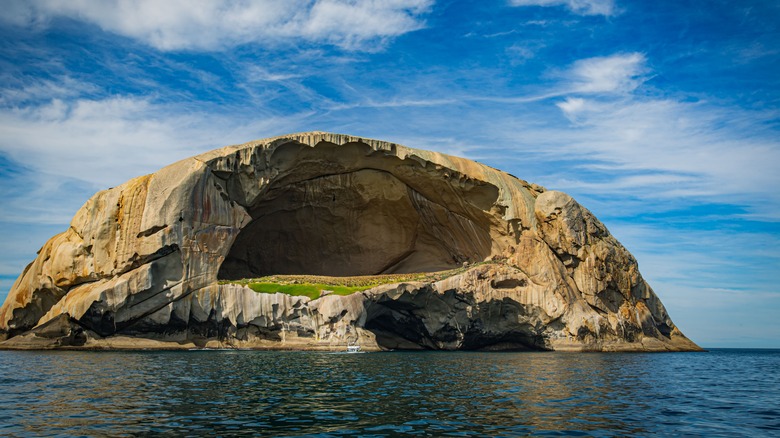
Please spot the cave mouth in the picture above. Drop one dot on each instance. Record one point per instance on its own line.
(400, 324)
(364, 221)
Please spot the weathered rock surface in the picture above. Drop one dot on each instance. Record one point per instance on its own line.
(140, 263)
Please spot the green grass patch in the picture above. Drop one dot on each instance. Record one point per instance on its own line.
(312, 291)
(312, 285)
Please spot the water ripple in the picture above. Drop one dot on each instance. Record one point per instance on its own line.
(721, 393)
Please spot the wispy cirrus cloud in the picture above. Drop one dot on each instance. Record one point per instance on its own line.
(605, 76)
(41, 90)
(697, 150)
(107, 141)
(611, 137)
(209, 25)
(581, 7)
(619, 73)
(255, 73)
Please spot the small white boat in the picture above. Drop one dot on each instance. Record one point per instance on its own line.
(353, 348)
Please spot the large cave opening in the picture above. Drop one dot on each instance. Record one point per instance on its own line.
(347, 212)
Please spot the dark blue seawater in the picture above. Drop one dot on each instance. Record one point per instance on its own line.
(723, 392)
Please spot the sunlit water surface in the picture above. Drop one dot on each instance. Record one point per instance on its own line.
(723, 392)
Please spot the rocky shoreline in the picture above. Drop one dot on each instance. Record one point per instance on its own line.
(406, 316)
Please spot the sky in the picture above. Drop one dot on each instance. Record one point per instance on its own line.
(662, 117)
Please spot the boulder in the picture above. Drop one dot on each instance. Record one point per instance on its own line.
(150, 263)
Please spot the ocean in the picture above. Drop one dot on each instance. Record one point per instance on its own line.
(724, 392)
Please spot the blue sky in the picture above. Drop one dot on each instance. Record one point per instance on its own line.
(661, 117)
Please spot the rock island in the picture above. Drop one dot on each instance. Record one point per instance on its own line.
(316, 241)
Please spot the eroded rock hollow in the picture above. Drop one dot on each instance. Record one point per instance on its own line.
(351, 210)
(149, 263)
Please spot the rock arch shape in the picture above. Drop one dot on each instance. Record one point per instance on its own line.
(141, 263)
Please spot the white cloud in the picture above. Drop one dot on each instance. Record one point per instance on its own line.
(350, 22)
(572, 106)
(521, 53)
(605, 76)
(620, 73)
(105, 142)
(254, 73)
(662, 148)
(99, 140)
(698, 150)
(581, 7)
(213, 25)
(64, 87)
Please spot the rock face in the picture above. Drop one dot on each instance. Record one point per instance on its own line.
(140, 264)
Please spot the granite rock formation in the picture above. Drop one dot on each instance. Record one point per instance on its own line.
(140, 265)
